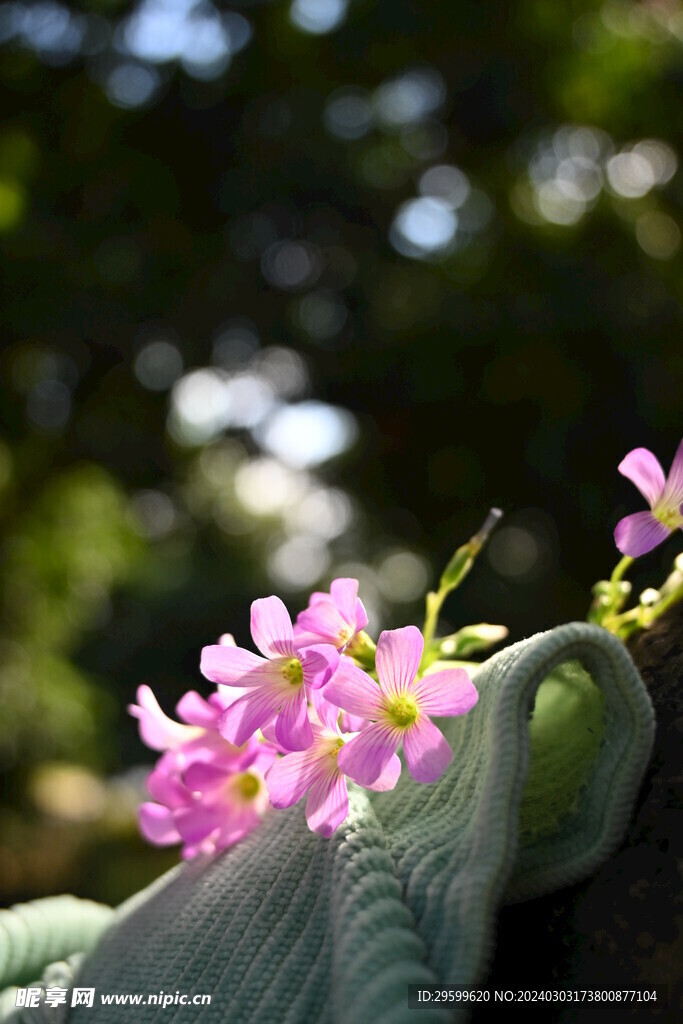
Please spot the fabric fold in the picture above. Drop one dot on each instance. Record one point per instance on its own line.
(288, 926)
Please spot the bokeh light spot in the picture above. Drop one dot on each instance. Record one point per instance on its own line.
(658, 235)
(318, 17)
(265, 487)
(403, 576)
(158, 365)
(630, 174)
(513, 552)
(447, 183)
(299, 562)
(409, 98)
(424, 227)
(308, 433)
(291, 265)
(348, 113)
(235, 343)
(131, 85)
(12, 205)
(321, 315)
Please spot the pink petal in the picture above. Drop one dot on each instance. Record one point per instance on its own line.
(157, 826)
(361, 616)
(639, 533)
(194, 710)
(389, 776)
(642, 468)
(227, 695)
(319, 663)
(353, 690)
(328, 804)
(271, 628)
(327, 712)
(157, 730)
(351, 723)
(398, 658)
(292, 728)
(291, 777)
(166, 789)
(211, 746)
(365, 757)
(673, 493)
(199, 819)
(266, 753)
(426, 750)
(249, 713)
(322, 621)
(245, 821)
(194, 850)
(268, 731)
(344, 594)
(231, 666)
(449, 692)
(304, 638)
(204, 777)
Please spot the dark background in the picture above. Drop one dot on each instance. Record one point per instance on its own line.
(210, 215)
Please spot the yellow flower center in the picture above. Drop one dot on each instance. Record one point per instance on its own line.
(670, 517)
(247, 785)
(293, 672)
(335, 747)
(403, 711)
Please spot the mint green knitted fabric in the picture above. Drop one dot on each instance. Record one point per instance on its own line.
(290, 927)
(34, 934)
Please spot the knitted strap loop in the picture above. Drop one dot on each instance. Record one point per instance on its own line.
(35, 934)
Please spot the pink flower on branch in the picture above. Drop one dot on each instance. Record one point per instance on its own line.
(276, 683)
(641, 532)
(333, 618)
(207, 792)
(399, 709)
(206, 805)
(316, 771)
(195, 737)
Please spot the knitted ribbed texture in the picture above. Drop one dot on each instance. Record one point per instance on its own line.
(290, 927)
(34, 934)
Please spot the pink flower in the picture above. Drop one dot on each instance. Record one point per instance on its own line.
(399, 709)
(207, 805)
(157, 730)
(207, 792)
(641, 532)
(316, 771)
(196, 737)
(276, 683)
(332, 618)
(330, 713)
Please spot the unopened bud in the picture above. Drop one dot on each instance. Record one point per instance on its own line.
(470, 639)
(362, 648)
(463, 559)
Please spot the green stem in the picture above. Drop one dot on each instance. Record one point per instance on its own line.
(455, 572)
(662, 606)
(616, 599)
(620, 569)
(640, 617)
(434, 601)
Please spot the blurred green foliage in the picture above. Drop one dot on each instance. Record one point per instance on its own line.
(297, 289)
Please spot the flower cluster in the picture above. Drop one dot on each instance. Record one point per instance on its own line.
(320, 705)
